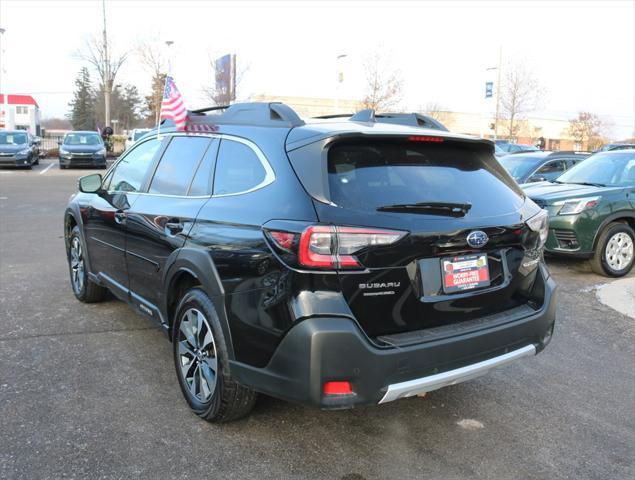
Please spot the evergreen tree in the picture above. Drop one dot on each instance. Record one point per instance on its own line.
(82, 114)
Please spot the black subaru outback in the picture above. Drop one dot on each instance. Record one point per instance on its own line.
(334, 262)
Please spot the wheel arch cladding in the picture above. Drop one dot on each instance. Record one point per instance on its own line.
(627, 218)
(193, 267)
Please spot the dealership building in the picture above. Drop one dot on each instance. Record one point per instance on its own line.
(554, 132)
(22, 113)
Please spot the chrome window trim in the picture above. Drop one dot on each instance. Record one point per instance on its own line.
(270, 175)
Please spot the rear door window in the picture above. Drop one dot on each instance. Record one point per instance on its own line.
(369, 175)
(238, 169)
(178, 164)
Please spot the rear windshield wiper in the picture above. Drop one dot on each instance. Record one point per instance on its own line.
(429, 208)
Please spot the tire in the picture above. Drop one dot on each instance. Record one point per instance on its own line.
(84, 288)
(63, 167)
(202, 363)
(614, 254)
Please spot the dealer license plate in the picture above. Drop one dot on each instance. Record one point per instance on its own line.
(465, 272)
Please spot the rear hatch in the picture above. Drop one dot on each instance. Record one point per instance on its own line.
(434, 194)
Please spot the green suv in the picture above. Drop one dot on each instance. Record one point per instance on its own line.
(592, 211)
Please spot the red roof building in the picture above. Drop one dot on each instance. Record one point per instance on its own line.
(23, 113)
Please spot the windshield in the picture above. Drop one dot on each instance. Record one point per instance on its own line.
(13, 138)
(373, 175)
(610, 168)
(82, 139)
(517, 166)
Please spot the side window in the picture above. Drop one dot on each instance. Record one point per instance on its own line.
(131, 169)
(557, 166)
(238, 169)
(202, 182)
(178, 164)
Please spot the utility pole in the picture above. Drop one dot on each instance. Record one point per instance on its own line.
(498, 91)
(107, 79)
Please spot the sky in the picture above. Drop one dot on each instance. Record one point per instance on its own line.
(582, 53)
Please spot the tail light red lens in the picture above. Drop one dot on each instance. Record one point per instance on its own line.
(333, 247)
(338, 388)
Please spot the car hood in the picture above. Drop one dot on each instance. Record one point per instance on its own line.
(13, 148)
(549, 192)
(82, 148)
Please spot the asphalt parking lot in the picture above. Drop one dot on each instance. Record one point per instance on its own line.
(89, 391)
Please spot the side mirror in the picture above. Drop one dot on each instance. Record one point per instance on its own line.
(536, 178)
(59, 143)
(90, 183)
(130, 138)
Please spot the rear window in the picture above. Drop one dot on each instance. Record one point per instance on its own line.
(369, 175)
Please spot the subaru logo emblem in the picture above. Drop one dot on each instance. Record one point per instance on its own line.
(477, 239)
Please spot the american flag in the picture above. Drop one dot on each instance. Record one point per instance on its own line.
(172, 106)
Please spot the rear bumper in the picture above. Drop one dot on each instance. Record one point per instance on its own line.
(318, 350)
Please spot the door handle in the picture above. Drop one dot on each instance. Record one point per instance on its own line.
(174, 226)
(120, 217)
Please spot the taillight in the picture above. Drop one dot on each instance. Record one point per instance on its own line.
(330, 247)
(333, 247)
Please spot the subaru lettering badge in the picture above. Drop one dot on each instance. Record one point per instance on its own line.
(477, 239)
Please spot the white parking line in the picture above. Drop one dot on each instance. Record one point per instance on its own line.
(47, 168)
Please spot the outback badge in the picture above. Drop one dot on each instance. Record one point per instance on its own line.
(477, 239)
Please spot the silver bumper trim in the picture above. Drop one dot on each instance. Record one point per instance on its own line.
(452, 377)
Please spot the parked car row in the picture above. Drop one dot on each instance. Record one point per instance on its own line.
(19, 149)
(590, 200)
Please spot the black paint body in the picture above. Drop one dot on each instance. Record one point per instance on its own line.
(262, 297)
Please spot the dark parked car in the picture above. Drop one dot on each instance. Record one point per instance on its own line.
(333, 263)
(540, 166)
(82, 149)
(592, 211)
(616, 146)
(515, 147)
(18, 149)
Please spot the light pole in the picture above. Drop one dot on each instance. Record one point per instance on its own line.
(169, 43)
(3, 57)
(340, 79)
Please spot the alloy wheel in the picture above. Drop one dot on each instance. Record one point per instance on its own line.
(77, 265)
(196, 350)
(619, 251)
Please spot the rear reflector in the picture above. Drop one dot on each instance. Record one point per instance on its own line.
(283, 239)
(338, 388)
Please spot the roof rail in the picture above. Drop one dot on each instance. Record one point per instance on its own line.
(410, 119)
(274, 114)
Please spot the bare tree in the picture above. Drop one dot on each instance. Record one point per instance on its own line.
(436, 111)
(152, 56)
(587, 130)
(520, 92)
(99, 54)
(223, 89)
(383, 83)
